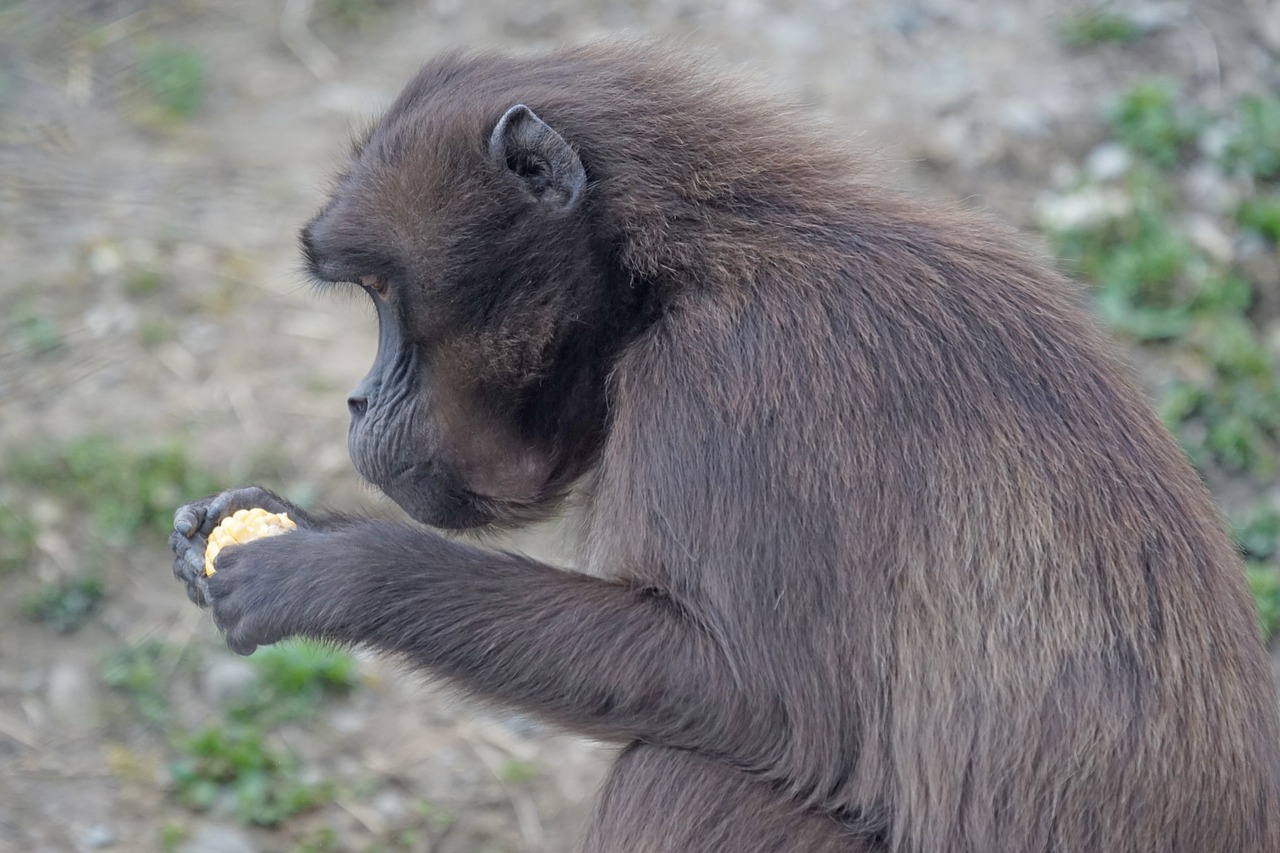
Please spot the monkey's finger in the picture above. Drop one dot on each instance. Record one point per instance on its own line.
(195, 562)
(218, 509)
(181, 544)
(182, 547)
(188, 563)
(188, 519)
(183, 571)
(227, 503)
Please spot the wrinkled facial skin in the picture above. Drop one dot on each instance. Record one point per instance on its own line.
(499, 314)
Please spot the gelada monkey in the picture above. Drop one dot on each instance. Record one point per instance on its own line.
(882, 549)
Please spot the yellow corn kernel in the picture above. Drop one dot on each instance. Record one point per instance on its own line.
(242, 526)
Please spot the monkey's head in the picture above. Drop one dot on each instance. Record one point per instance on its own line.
(499, 308)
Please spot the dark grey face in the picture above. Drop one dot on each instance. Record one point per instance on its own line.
(495, 322)
(388, 408)
(392, 437)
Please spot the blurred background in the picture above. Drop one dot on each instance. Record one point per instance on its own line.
(158, 343)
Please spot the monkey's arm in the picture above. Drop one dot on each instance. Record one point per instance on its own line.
(606, 658)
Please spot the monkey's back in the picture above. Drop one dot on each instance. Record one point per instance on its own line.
(1010, 582)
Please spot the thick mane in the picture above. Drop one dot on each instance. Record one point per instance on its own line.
(681, 162)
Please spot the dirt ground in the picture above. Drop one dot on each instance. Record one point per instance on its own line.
(226, 348)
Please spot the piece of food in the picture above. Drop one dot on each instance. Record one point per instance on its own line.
(242, 526)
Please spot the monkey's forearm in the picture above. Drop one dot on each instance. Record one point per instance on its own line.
(606, 658)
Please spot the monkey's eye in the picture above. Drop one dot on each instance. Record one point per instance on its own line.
(375, 285)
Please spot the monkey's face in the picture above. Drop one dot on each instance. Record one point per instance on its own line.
(486, 399)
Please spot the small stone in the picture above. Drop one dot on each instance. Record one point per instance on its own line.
(392, 805)
(219, 839)
(1163, 15)
(1025, 118)
(521, 726)
(104, 259)
(111, 319)
(1250, 245)
(1268, 29)
(97, 837)
(346, 721)
(1260, 264)
(1107, 162)
(72, 697)
(947, 82)
(46, 512)
(906, 19)
(1213, 141)
(1063, 175)
(348, 99)
(195, 256)
(1209, 190)
(1205, 234)
(945, 145)
(791, 35)
(225, 680)
(142, 252)
(1084, 208)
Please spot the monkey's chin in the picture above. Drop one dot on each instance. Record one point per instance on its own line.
(422, 495)
(460, 517)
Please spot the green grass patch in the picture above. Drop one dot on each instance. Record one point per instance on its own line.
(1264, 584)
(519, 772)
(65, 606)
(1151, 120)
(1158, 284)
(1090, 26)
(17, 539)
(322, 840)
(37, 332)
(1254, 147)
(235, 760)
(295, 678)
(1261, 214)
(127, 489)
(353, 15)
(143, 672)
(142, 282)
(171, 837)
(1155, 285)
(152, 333)
(1258, 541)
(174, 78)
(1259, 538)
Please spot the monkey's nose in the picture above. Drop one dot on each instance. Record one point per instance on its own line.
(357, 405)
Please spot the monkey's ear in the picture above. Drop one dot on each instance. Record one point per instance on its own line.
(548, 167)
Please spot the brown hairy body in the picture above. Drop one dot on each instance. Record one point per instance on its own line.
(888, 552)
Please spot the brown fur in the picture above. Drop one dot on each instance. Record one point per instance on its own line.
(895, 555)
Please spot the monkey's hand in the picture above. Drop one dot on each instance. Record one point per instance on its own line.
(193, 523)
(272, 589)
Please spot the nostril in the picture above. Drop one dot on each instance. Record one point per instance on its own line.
(358, 405)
